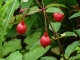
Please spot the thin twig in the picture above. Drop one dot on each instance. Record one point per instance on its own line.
(44, 16)
(38, 3)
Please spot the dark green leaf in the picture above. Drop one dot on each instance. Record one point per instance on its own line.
(75, 15)
(30, 21)
(71, 48)
(48, 58)
(75, 57)
(53, 9)
(33, 10)
(14, 56)
(11, 46)
(32, 38)
(56, 26)
(35, 53)
(53, 5)
(26, 4)
(78, 31)
(67, 34)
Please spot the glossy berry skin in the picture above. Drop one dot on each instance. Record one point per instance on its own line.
(21, 28)
(58, 17)
(45, 40)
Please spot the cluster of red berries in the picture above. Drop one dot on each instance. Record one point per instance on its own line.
(45, 39)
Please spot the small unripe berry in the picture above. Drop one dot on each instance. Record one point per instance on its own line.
(58, 17)
(21, 27)
(21, 11)
(45, 40)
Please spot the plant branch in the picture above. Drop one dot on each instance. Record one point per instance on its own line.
(56, 36)
(44, 16)
(38, 3)
(54, 33)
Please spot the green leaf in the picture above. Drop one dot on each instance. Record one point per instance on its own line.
(26, 4)
(35, 53)
(33, 10)
(12, 7)
(0, 3)
(56, 50)
(78, 31)
(48, 58)
(67, 34)
(11, 46)
(53, 10)
(75, 15)
(14, 56)
(71, 48)
(2, 59)
(37, 44)
(56, 26)
(53, 5)
(30, 21)
(32, 38)
(5, 6)
(75, 57)
(12, 32)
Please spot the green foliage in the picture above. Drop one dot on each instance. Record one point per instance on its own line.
(78, 31)
(53, 9)
(10, 10)
(15, 56)
(71, 48)
(27, 46)
(35, 53)
(32, 38)
(54, 5)
(2, 59)
(33, 10)
(11, 46)
(30, 21)
(75, 57)
(48, 58)
(55, 25)
(75, 15)
(26, 5)
(67, 34)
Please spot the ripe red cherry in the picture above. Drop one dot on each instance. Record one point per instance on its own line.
(58, 17)
(45, 40)
(21, 11)
(21, 27)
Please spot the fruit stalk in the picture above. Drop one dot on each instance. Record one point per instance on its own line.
(56, 36)
(44, 16)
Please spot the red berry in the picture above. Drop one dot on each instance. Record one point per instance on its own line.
(45, 40)
(21, 11)
(21, 27)
(58, 17)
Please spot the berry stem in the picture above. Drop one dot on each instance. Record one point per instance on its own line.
(38, 4)
(44, 16)
(56, 36)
